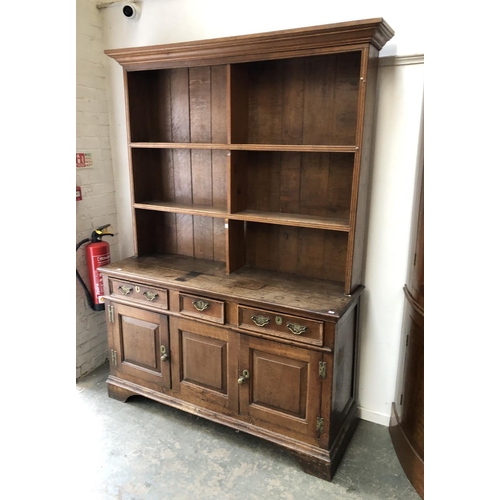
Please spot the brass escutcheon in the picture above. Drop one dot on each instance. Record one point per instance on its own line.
(279, 320)
(137, 289)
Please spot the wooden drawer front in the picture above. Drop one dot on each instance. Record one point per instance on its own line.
(201, 307)
(138, 292)
(281, 325)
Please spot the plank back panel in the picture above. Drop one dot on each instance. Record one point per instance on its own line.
(238, 179)
(239, 103)
(313, 253)
(293, 97)
(180, 176)
(319, 99)
(143, 103)
(290, 177)
(316, 184)
(156, 232)
(180, 234)
(203, 235)
(304, 101)
(265, 102)
(200, 82)
(178, 105)
(219, 104)
(346, 85)
(179, 84)
(220, 161)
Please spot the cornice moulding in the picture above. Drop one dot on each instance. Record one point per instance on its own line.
(245, 48)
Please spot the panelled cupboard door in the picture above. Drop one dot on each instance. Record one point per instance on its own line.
(141, 342)
(283, 387)
(204, 365)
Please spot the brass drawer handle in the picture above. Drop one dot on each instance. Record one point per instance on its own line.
(199, 305)
(150, 296)
(296, 329)
(259, 320)
(125, 290)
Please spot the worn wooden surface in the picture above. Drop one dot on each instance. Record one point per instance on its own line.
(314, 296)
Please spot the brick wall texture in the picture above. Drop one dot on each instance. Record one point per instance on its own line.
(98, 206)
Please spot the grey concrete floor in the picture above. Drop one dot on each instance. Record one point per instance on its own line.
(142, 449)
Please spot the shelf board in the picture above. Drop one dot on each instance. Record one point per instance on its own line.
(182, 208)
(313, 148)
(280, 219)
(298, 220)
(178, 145)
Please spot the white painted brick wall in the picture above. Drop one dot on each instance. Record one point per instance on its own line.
(98, 206)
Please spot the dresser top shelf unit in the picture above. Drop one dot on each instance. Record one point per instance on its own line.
(254, 150)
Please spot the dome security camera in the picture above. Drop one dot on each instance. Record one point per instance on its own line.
(131, 10)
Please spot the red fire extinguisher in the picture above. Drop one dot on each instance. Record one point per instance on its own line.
(97, 253)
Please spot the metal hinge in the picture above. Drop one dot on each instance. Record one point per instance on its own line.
(401, 400)
(111, 314)
(322, 369)
(113, 357)
(407, 340)
(320, 424)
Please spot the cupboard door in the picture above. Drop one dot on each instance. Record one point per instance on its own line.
(205, 365)
(283, 385)
(141, 341)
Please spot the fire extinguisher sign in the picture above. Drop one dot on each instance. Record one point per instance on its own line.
(83, 160)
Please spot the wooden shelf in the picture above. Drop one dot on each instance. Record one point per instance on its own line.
(283, 219)
(178, 145)
(294, 147)
(182, 208)
(312, 148)
(286, 219)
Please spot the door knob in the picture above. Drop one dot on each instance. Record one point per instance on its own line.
(244, 377)
(164, 353)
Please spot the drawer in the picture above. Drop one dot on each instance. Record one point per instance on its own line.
(201, 307)
(138, 292)
(306, 331)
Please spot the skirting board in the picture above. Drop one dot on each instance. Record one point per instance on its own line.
(373, 416)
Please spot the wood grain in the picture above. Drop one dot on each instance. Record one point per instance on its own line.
(249, 170)
(283, 44)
